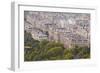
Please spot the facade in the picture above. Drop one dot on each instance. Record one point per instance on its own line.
(69, 29)
(38, 34)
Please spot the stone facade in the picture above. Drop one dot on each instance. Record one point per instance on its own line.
(67, 28)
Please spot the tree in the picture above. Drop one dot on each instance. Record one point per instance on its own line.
(27, 39)
(53, 44)
(68, 53)
(55, 53)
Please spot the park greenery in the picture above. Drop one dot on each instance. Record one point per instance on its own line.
(35, 50)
